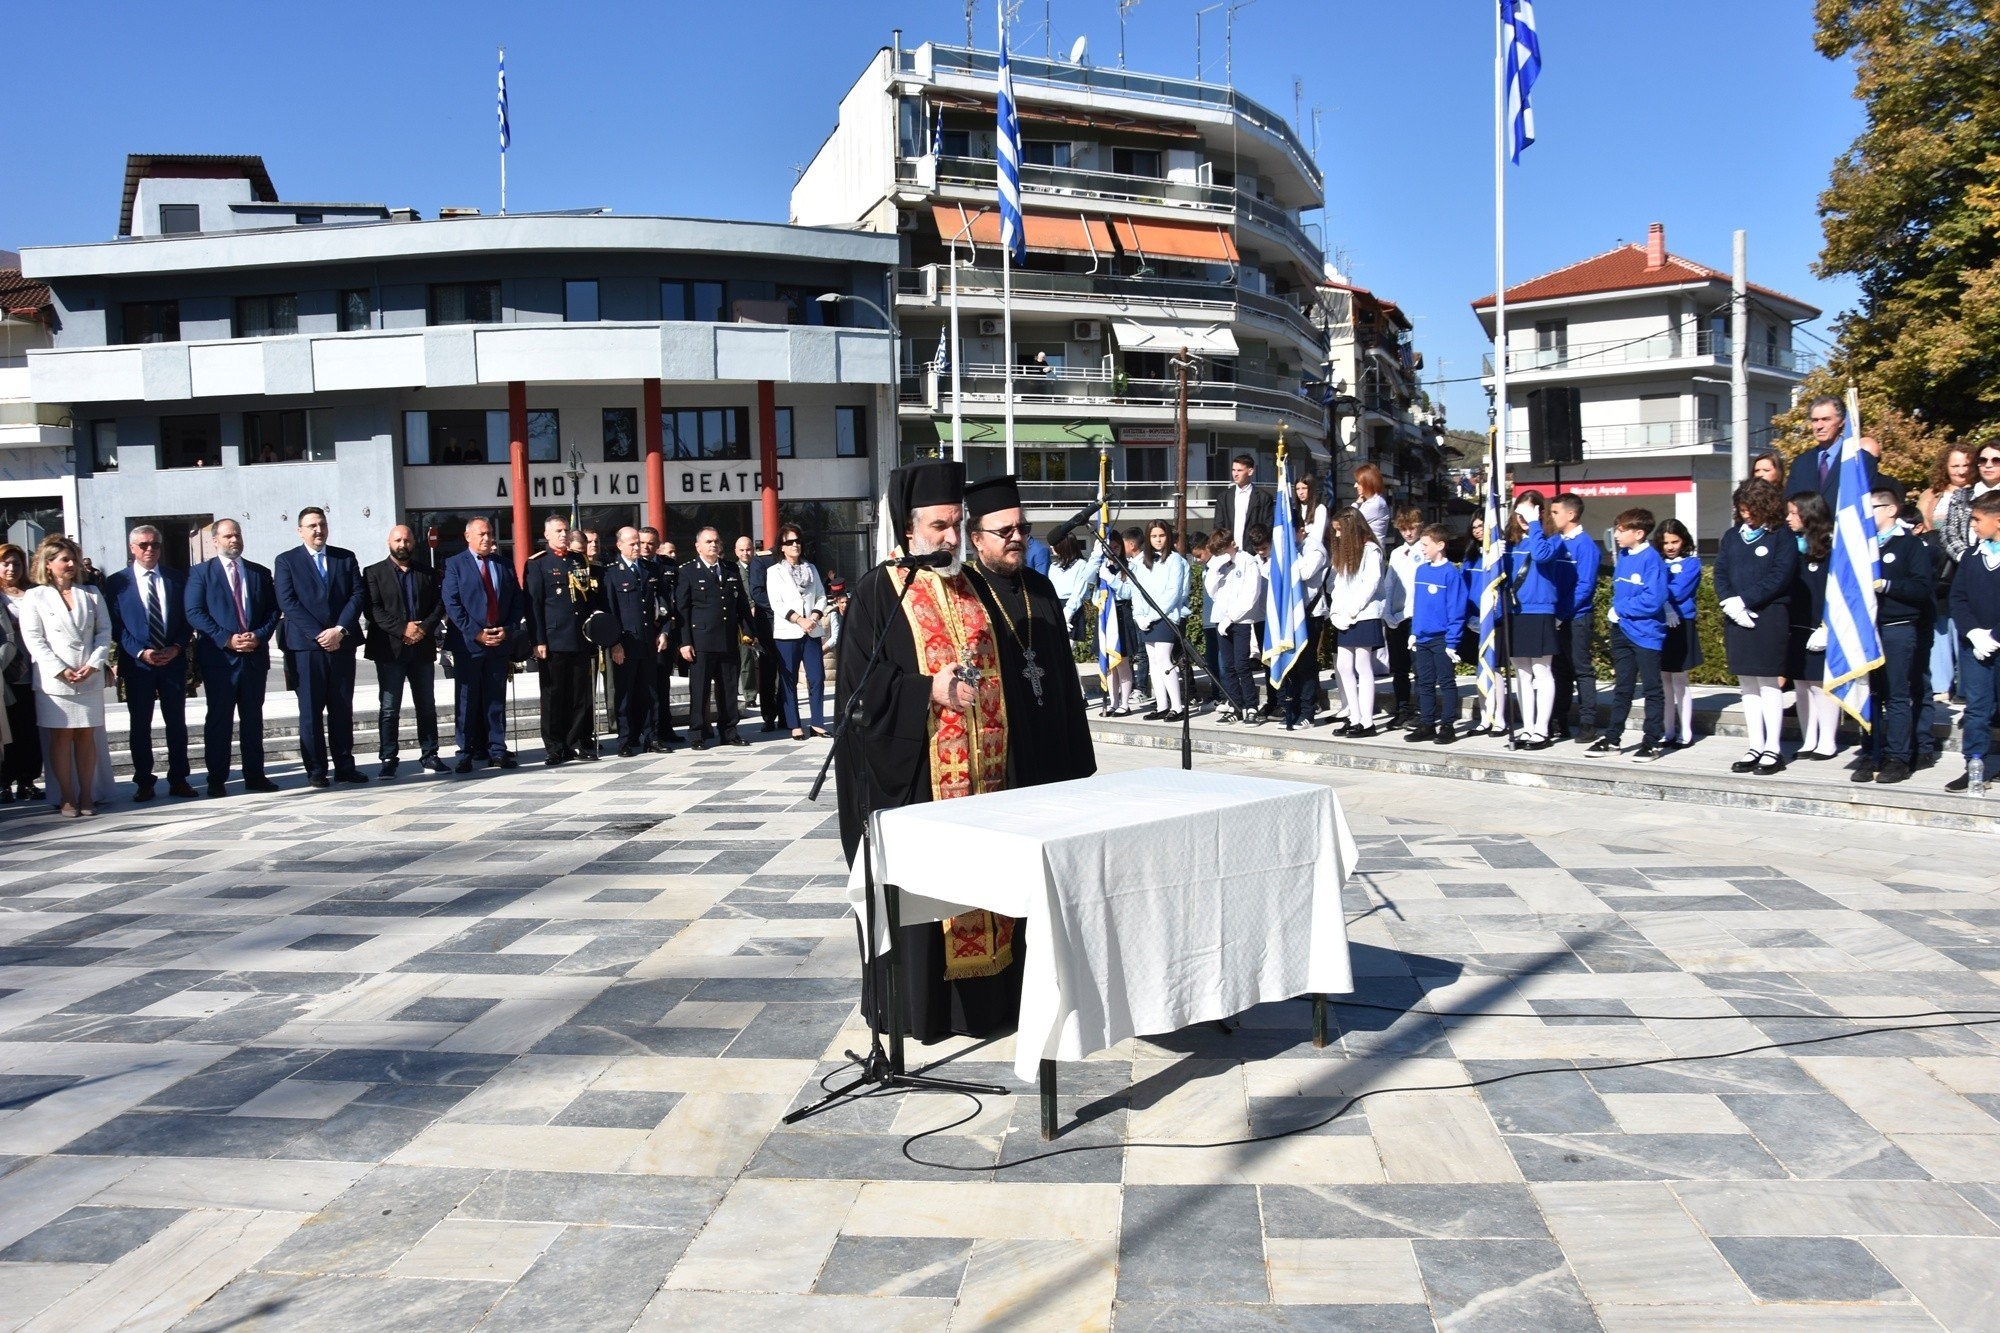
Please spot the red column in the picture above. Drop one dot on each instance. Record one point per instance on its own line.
(656, 463)
(517, 456)
(767, 457)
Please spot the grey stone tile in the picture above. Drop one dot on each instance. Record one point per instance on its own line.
(1176, 1317)
(1191, 1243)
(90, 1236)
(445, 1067)
(279, 1300)
(1750, 1074)
(1453, 1212)
(374, 1222)
(618, 1110)
(19, 1091)
(1642, 1157)
(894, 1266)
(590, 1277)
(1521, 1284)
(669, 1203)
(1807, 1268)
(442, 1009)
(1817, 1137)
(790, 1031)
(790, 1155)
(170, 1134)
(359, 1133)
(1544, 1103)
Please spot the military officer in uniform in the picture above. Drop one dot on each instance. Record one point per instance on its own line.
(632, 599)
(714, 616)
(660, 733)
(561, 595)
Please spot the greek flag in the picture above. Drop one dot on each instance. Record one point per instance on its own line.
(1853, 647)
(1493, 588)
(1110, 648)
(942, 361)
(1008, 151)
(937, 130)
(1522, 51)
(1285, 601)
(505, 134)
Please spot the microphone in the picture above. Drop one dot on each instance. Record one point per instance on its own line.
(1080, 519)
(928, 560)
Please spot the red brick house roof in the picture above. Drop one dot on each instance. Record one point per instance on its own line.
(1625, 269)
(21, 298)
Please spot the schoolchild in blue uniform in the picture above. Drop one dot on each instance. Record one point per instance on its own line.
(1754, 567)
(1639, 602)
(1574, 572)
(1975, 615)
(1905, 602)
(1437, 614)
(1681, 653)
(1531, 552)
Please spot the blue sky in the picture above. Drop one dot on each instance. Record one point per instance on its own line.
(1706, 115)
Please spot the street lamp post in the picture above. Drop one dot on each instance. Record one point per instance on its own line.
(575, 474)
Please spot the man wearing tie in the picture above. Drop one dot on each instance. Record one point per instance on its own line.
(483, 614)
(633, 601)
(404, 616)
(1818, 468)
(660, 734)
(232, 606)
(714, 614)
(149, 621)
(319, 595)
(560, 597)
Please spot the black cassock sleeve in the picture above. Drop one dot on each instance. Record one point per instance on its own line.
(886, 762)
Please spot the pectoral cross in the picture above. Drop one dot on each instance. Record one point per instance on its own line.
(1032, 672)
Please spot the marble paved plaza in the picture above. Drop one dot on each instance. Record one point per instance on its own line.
(511, 1052)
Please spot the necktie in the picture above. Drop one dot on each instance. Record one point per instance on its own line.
(319, 562)
(1825, 462)
(409, 596)
(492, 593)
(156, 615)
(236, 595)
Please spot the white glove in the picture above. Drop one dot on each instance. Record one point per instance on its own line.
(1816, 641)
(1984, 645)
(1614, 615)
(1451, 655)
(1673, 618)
(1733, 608)
(1527, 513)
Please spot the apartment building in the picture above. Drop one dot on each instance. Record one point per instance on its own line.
(1380, 413)
(37, 481)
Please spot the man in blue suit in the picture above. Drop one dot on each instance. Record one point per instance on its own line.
(319, 594)
(484, 614)
(1818, 468)
(149, 622)
(231, 605)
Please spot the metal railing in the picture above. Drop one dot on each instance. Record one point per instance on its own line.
(1104, 390)
(1031, 71)
(1123, 495)
(1609, 353)
(1627, 439)
(1163, 296)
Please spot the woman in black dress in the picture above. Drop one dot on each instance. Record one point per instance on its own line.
(1807, 515)
(1754, 567)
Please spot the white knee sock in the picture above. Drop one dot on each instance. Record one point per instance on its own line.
(1674, 685)
(1166, 680)
(1753, 713)
(1363, 672)
(1827, 710)
(1808, 714)
(1535, 680)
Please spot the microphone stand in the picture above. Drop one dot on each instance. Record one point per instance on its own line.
(1114, 554)
(879, 1067)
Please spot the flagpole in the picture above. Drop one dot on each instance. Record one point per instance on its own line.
(1007, 294)
(957, 386)
(503, 131)
(1496, 472)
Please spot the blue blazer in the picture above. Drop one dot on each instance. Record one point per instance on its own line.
(312, 605)
(213, 614)
(128, 612)
(465, 605)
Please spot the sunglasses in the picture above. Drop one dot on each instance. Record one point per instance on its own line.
(1985, 459)
(144, 546)
(791, 541)
(1011, 531)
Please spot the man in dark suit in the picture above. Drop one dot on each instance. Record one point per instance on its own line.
(405, 614)
(560, 598)
(1818, 468)
(660, 734)
(149, 621)
(483, 615)
(714, 614)
(319, 595)
(633, 599)
(233, 606)
(1244, 505)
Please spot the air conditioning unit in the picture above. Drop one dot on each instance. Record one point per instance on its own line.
(906, 222)
(989, 328)
(1086, 330)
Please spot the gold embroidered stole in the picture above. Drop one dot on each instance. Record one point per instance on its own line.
(968, 751)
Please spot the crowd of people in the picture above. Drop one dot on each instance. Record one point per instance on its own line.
(743, 630)
(1410, 606)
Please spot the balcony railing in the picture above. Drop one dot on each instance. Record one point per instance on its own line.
(1166, 297)
(977, 174)
(1637, 438)
(1611, 353)
(1124, 495)
(1100, 389)
(1033, 71)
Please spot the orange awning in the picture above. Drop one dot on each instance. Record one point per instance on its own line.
(1051, 234)
(1175, 240)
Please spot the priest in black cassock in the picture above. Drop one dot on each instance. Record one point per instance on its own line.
(933, 724)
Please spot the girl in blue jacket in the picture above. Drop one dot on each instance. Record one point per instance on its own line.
(1531, 549)
(1682, 652)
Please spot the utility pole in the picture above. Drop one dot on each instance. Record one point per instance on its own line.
(1739, 361)
(1197, 36)
(1181, 365)
(1124, 7)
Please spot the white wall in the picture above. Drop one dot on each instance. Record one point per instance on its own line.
(856, 166)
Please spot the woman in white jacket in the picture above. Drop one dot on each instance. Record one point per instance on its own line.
(1162, 573)
(1354, 607)
(67, 630)
(798, 629)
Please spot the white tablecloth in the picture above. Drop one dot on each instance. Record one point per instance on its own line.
(1155, 899)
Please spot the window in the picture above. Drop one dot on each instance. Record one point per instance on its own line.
(702, 302)
(190, 442)
(1043, 464)
(104, 446)
(355, 312)
(783, 432)
(580, 301)
(310, 219)
(473, 436)
(621, 434)
(295, 436)
(1146, 464)
(1044, 153)
(707, 432)
(266, 316)
(802, 305)
(850, 432)
(955, 143)
(1136, 161)
(152, 321)
(465, 303)
(1551, 342)
(179, 219)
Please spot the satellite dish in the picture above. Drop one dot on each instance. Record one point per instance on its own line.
(1079, 53)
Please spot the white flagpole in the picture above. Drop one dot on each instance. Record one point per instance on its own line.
(957, 386)
(504, 137)
(1007, 295)
(1497, 472)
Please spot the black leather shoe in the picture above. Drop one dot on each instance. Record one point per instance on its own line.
(704, 745)
(656, 747)
(218, 789)
(435, 764)
(183, 788)
(1422, 734)
(1747, 764)
(1894, 771)
(590, 756)
(505, 761)
(556, 760)
(1602, 745)
(353, 777)
(259, 784)
(144, 792)
(734, 740)
(629, 751)
(389, 767)
(1862, 772)
(319, 780)
(1446, 736)
(464, 764)
(1768, 763)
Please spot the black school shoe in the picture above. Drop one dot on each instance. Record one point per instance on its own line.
(1602, 745)
(1768, 763)
(1893, 771)
(1421, 734)
(1646, 754)
(1748, 764)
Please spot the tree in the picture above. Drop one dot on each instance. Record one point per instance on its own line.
(1912, 210)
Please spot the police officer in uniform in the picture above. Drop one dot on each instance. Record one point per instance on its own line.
(560, 598)
(632, 599)
(714, 616)
(660, 733)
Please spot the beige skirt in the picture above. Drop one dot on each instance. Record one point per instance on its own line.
(68, 711)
